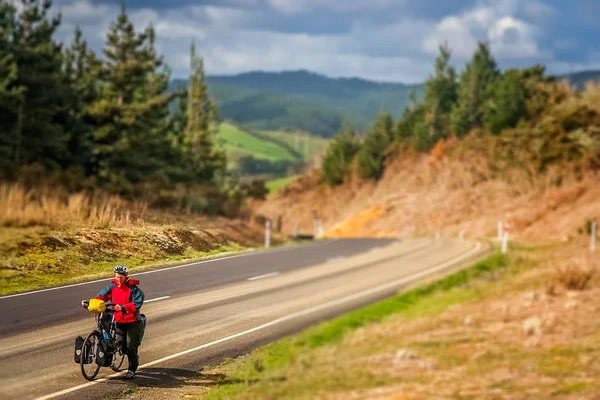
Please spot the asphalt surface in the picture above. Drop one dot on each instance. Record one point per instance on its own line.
(44, 308)
(225, 315)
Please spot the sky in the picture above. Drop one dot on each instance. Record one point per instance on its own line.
(381, 40)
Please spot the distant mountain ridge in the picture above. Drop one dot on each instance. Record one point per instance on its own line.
(580, 78)
(304, 100)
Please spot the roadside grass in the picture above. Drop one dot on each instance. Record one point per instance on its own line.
(47, 269)
(462, 336)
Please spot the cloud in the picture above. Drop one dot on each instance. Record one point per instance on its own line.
(300, 6)
(393, 40)
(509, 37)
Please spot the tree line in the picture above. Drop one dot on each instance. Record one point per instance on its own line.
(536, 120)
(84, 121)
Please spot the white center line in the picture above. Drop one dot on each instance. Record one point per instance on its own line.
(158, 298)
(264, 276)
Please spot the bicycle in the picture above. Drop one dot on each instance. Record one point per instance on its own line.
(105, 336)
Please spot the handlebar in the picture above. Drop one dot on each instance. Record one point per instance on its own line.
(109, 306)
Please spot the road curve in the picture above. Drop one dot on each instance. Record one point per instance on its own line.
(194, 327)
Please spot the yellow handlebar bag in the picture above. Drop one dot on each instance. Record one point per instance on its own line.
(97, 306)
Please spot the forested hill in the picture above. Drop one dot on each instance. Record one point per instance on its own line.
(305, 100)
(579, 79)
(316, 103)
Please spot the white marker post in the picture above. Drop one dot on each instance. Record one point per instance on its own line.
(461, 235)
(268, 234)
(320, 229)
(593, 237)
(500, 230)
(505, 239)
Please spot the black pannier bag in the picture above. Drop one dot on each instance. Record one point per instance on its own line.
(104, 353)
(78, 348)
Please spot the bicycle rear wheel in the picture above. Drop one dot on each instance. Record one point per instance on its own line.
(118, 359)
(89, 367)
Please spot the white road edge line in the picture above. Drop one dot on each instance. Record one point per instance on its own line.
(336, 259)
(282, 319)
(264, 276)
(249, 253)
(157, 299)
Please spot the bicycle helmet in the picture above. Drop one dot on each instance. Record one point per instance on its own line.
(121, 269)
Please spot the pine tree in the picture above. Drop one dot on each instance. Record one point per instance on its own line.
(372, 153)
(473, 91)
(339, 156)
(83, 71)
(11, 94)
(385, 125)
(205, 159)
(507, 102)
(35, 92)
(440, 97)
(130, 129)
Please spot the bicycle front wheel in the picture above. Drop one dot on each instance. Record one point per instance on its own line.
(89, 367)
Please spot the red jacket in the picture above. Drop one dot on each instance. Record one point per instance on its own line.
(129, 296)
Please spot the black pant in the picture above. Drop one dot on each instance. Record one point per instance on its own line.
(133, 331)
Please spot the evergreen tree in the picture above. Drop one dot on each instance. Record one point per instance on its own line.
(83, 71)
(473, 91)
(130, 130)
(507, 102)
(34, 90)
(385, 125)
(339, 156)
(206, 161)
(440, 97)
(372, 153)
(11, 94)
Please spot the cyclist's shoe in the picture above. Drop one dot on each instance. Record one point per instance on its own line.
(129, 375)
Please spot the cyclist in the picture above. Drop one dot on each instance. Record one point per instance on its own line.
(127, 298)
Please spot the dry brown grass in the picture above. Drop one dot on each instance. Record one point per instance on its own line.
(577, 273)
(46, 206)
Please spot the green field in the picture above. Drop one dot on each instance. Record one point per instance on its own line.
(270, 146)
(307, 145)
(238, 142)
(276, 184)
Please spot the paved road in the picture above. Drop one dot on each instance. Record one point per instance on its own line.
(222, 316)
(27, 312)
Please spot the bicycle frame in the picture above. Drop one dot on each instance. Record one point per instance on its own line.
(106, 328)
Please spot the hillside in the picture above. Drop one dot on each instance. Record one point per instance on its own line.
(419, 196)
(316, 103)
(540, 177)
(304, 100)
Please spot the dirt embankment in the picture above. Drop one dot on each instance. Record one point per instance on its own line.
(420, 194)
